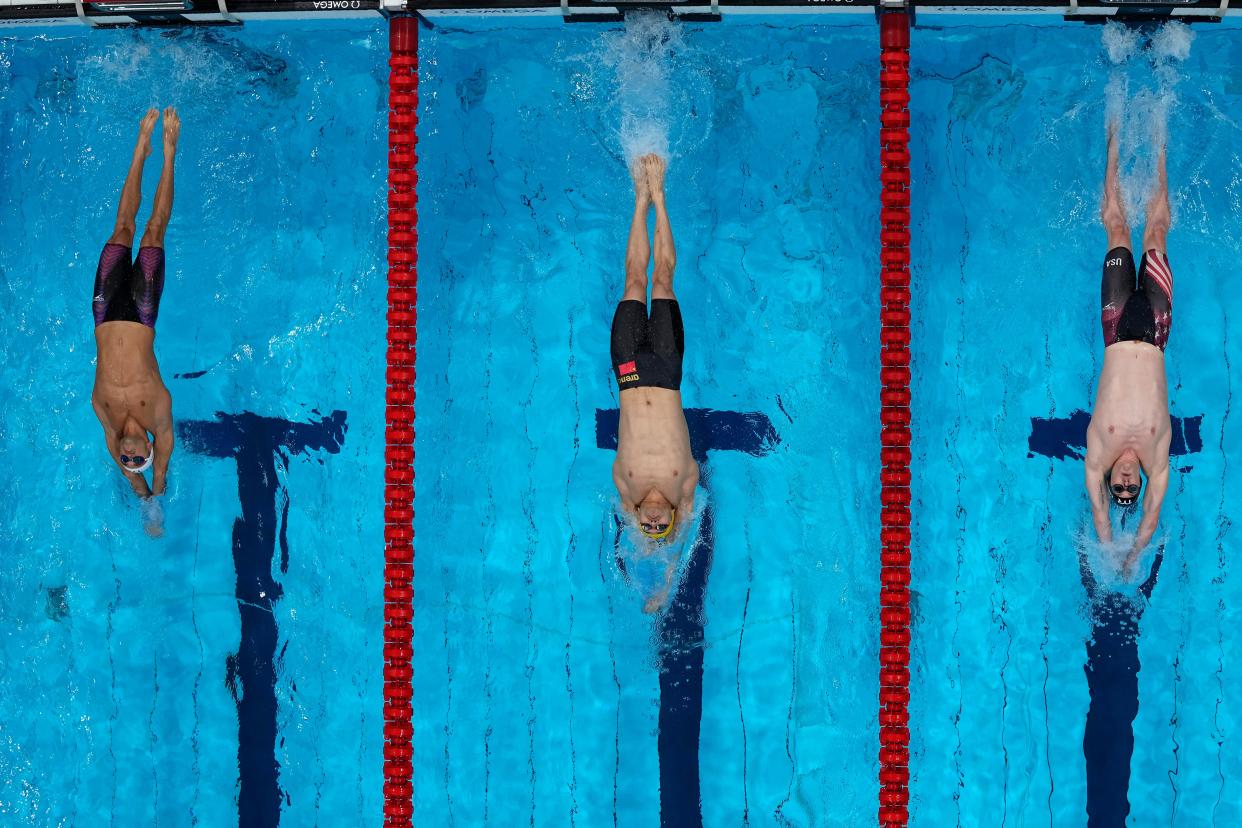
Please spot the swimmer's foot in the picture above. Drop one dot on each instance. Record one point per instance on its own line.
(145, 128)
(653, 167)
(172, 130)
(642, 193)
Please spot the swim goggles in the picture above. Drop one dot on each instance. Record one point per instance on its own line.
(658, 531)
(146, 462)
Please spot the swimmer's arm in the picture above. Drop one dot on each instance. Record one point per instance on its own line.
(657, 601)
(138, 483)
(1099, 505)
(1157, 485)
(623, 490)
(109, 435)
(688, 486)
(163, 453)
(619, 481)
(1094, 480)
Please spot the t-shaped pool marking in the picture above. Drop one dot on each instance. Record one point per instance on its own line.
(1112, 651)
(681, 627)
(1063, 438)
(257, 443)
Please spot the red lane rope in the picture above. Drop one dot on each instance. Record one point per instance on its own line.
(894, 419)
(399, 417)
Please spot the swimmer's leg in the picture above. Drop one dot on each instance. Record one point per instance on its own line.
(1113, 208)
(161, 212)
(1155, 236)
(665, 252)
(131, 193)
(638, 249)
(1156, 273)
(147, 282)
(1118, 281)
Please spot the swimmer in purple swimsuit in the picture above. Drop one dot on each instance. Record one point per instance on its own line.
(130, 398)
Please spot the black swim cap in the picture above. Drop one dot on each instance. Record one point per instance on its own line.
(1123, 502)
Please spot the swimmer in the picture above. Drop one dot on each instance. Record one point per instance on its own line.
(1130, 430)
(655, 472)
(130, 398)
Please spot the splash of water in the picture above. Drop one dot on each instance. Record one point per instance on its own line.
(1142, 117)
(193, 64)
(647, 78)
(1120, 42)
(1105, 560)
(1172, 41)
(647, 563)
(642, 58)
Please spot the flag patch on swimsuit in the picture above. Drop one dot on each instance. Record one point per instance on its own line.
(627, 368)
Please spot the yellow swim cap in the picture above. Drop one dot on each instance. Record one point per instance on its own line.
(668, 530)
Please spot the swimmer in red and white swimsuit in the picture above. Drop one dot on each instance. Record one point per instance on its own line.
(130, 398)
(1130, 429)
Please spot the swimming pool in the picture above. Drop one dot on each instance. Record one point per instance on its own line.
(224, 673)
(537, 689)
(542, 691)
(1009, 157)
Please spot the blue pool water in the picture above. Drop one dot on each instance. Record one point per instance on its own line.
(119, 705)
(1008, 142)
(230, 671)
(538, 686)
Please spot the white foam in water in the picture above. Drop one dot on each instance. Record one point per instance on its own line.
(647, 79)
(641, 57)
(646, 560)
(1172, 41)
(1115, 97)
(1120, 42)
(1142, 117)
(1105, 560)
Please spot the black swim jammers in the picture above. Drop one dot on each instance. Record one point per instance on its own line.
(128, 291)
(1136, 308)
(647, 351)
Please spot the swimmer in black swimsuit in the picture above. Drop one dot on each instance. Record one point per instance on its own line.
(655, 472)
(130, 398)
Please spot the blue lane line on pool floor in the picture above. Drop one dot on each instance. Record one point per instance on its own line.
(257, 444)
(681, 627)
(1112, 670)
(1112, 665)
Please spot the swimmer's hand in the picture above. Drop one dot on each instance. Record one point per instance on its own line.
(1127, 566)
(1104, 529)
(152, 517)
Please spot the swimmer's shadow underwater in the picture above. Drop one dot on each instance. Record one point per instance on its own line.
(1112, 665)
(1112, 669)
(681, 624)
